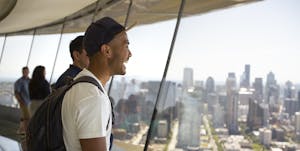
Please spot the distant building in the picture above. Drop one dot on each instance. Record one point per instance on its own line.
(131, 88)
(210, 85)
(265, 136)
(289, 90)
(258, 87)
(232, 104)
(188, 78)
(291, 106)
(278, 134)
(189, 123)
(244, 96)
(271, 89)
(218, 116)
(297, 125)
(265, 114)
(245, 79)
(242, 113)
(209, 88)
(168, 94)
(212, 99)
(162, 129)
(223, 100)
(258, 115)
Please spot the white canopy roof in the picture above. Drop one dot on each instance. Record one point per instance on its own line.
(48, 15)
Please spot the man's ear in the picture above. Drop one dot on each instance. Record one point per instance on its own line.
(75, 55)
(106, 50)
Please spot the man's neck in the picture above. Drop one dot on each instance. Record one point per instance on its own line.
(100, 74)
(77, 65)
(25, 77)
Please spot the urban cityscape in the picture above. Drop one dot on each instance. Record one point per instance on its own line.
(205, 116)
(198, 115)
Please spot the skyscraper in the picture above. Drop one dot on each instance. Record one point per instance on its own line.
(290, 106)
(209, 89)
(188, 78)
(232, 104)
(289, 90)
(265, 136)
(258, 87)
(210, 85)
(272, 90)
(245, 80)
(189, 123)
(258, 115)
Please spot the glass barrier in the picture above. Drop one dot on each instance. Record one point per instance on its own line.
(233, 72)
(14, 58)
(64, 59)
(15, 46)
(44, 49)
(236, 79)
(134, 94)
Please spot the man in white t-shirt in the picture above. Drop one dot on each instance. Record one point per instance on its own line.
(86, 111)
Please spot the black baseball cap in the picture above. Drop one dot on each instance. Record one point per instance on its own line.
(100, 32)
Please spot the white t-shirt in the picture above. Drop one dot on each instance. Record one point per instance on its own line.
(85, 113)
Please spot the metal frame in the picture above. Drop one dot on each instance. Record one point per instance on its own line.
(57, 50)
(162, 83)
(31, 46)
(3, 46)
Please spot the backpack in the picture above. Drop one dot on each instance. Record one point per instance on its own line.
(45, 130)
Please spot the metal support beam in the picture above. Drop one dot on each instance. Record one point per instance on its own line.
(57, 50)
(96, 10)
(162, 83)
(3, 47)
(31, 45)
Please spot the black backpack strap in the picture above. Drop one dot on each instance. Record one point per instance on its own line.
(87, 79)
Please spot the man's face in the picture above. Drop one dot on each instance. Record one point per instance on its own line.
(120, 53)
(84, 60)
(25, 72)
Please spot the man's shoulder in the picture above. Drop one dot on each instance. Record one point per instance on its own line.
(72, 71)
(21, 80)
(17, 81)
(69, 74)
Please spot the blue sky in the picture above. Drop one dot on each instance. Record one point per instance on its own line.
(264, 34)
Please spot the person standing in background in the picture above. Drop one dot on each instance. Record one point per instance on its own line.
(39, 88)
(22, 95)
(80, 61)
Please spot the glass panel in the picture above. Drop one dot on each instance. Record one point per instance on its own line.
(15, 54)
(64, 59)
(135, 93)
(231, 68)
(44, 49)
